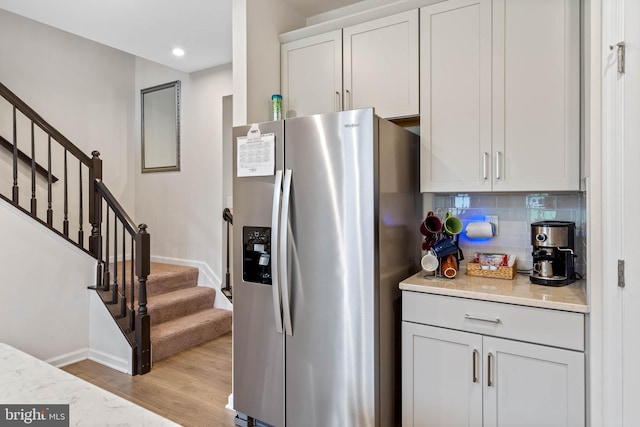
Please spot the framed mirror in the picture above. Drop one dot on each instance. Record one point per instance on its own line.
(160, 111)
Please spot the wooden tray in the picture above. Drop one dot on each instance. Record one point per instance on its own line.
(474, 269)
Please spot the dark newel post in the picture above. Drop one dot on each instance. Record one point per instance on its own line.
(143, 324)
(95, 174)
(95, 213)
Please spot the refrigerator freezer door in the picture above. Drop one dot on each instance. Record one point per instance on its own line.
(284, 233)
(275, 252)
(330, 371)
(258, 347)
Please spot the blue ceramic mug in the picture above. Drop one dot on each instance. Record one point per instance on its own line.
(444, 247)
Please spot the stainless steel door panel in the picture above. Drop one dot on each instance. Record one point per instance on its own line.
(258, 349)
(399, 251)
(258, 380)
(331, 356)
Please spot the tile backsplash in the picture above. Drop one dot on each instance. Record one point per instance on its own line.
(515, 212)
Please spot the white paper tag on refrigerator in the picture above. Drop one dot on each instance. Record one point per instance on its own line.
(256, 156)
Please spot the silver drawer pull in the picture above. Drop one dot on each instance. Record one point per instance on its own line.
(482, 318)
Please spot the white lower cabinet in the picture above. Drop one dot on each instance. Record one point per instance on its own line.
(456, 378)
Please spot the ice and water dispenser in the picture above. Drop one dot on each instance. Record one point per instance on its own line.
(256, 252)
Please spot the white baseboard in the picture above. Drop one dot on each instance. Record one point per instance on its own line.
(110, 361)
(97, 356)
(206, 277)
(69, 358)
(229, 404)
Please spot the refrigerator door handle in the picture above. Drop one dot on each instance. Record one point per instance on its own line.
(275, 283)
(284, 279)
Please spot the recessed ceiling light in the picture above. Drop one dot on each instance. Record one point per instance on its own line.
(178, 52)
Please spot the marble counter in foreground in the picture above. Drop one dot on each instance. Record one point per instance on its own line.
(517, 291)
(26, 380)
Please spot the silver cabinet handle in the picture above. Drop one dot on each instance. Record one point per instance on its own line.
(485, 157)
(275, 283)
(475, 366)
(489, 370)
(498, 156)
(338, 103)
(284, 221)
(482, 318)
(350, 104)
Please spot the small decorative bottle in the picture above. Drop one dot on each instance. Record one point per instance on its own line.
(276, 106)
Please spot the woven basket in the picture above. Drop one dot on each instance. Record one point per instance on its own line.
(474, 269)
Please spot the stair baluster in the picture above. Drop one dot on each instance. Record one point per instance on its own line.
(123, 297)
(114, 295)
(65, 222)
(49, 177)
(34, 201)
(107, 274)
(132, 309)
(80, 219)
(16, 190)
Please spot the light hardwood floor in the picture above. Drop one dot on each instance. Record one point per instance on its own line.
(190, 388)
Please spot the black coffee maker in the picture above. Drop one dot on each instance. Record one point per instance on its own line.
(553, 253)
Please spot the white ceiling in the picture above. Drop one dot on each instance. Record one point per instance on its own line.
(150, 29)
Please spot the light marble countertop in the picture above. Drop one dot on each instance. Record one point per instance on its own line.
(26, 380)
(517, 291)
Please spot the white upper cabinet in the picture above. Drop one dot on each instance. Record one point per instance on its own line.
(381, 65)
(500, 101)
(536, 95)
(377, 60)
(455, 76)
(311, 72)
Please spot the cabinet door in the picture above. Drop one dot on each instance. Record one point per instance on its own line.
(536, 95)
(441, 377)
(532, 385)
(311, 73)
(455, 99)
(381, 65)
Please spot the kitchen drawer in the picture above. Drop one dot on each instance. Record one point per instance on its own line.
(536, 325)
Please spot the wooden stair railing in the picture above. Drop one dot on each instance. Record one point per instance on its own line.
(114, 291)
(26, 159)
(30, 137)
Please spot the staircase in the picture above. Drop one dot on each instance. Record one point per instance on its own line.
(182, 313)
(159, 307)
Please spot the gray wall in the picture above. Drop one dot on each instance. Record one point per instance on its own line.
(184, 208)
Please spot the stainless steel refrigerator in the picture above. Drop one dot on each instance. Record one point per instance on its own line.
(326, 220)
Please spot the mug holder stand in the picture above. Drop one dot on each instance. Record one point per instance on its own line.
(458, 256)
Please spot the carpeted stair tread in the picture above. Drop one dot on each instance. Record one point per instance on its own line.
(171, 337)
(182, 313)
(167, 278)
(171, 305)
